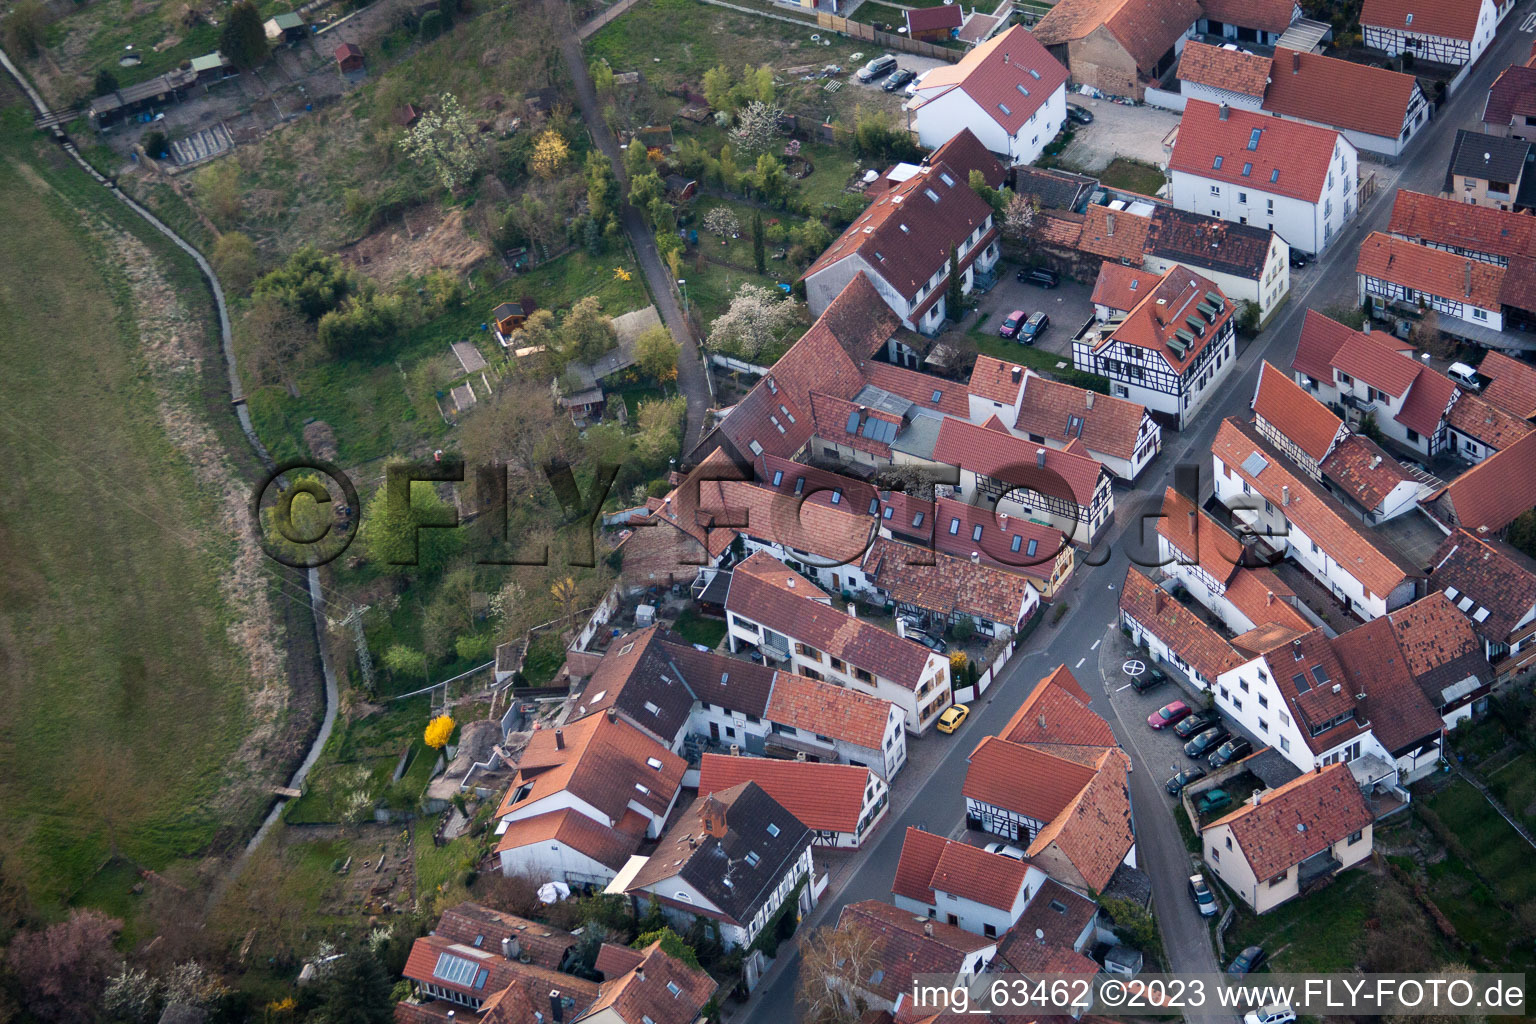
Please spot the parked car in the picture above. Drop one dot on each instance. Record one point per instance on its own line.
(1168, 714)
(1205, 900)
(1248, 961)
(877, 68)
(1234, 749)
(1206, 742)
(1464, 375)
(1196, 722)
(1277, 1014)
(933, 643)
(899, 78)
(1012, 324)
(1039, 276)
(953, 717)
(1299, 259)
(1212, 800)
(1080, 115)
(1034, 327)
(1004, 850)
(1150, 679)
(1176, 785)
(916, 84)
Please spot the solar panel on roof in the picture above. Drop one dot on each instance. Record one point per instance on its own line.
(1255, 464)
(853, 422)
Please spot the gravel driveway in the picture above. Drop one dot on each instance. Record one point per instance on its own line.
(1118, 130)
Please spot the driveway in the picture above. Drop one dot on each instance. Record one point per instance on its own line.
(1067, 305)
(1118, 130)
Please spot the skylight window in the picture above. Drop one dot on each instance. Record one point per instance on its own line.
(672, 988)
(652, 708)
(1034, 545)
(1034, 74)
(773, 829)
(938, 395)
(642, 790)
(946, 179)
(1300, 679)
(1274, 175)
(1020, 86)
(755, 448)
(799, 484)
(455, 970)
(778, 477)
(753, 859)
(888, 512)
(874, 505)
(652, 762)
(1247, 169)
(976, 532)
(837, 495)
(954, 526)
(1004, 108)
(917, 520)
(931, 194)
(1253, 138)
(1320, 675)
(904, 229)
(1216, 164)
(1017, 540)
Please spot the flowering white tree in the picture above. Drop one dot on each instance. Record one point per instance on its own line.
(1019, 218)
(722, 222)
(444, 140)
(757, 128)
(757, 317)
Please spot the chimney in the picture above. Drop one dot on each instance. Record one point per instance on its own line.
(1040, 457)
(556, 1008)
(1367, 328)
(1285, 494)
(1002, 521)
(510, 947)
(1088, 399)
(613, 714)
(1109, 224)
(1042, 721)
(1295, 62)
(560, 738)
(853, 612)
(640, 973)
(1256, 794)
(1158, 600)
(976, 557)
(1269, 598)
(928, 928)
(1017, 374)
(1467, 278)
(1375, 461)
(1225, 110)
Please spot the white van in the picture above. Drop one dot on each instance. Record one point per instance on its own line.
(1465, 376)
(1278, 1014)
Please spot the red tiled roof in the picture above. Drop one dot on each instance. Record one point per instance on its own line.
(1016, 462)
(1512, 384)
(1060, 227)
(1321, 339)
(1301, 153)
(1094, 830)
(1454, 19)
(828, 710)
(600, 761)
(1399, 712)
(1308, 85)
(1432, 271)
(995, 380)
(948, 585)
(1431, 632)
(1373, 360)
(1221, 68)
(1269, 15)
(930, 862)
(1196, 536)
(613, 960)
(1493, 492)
(768, 592)
(1056, 715)
(1152, 326)
(1316, 514)
(1184, 633)
(662, 990)
(826, 797)
(1039, 546)
(1429, 219)
(905, 947)
(1298, 416)
(1513, 94)
(545, 944)
(929, 19)
(1475, 417)
(1264, 599)
(1114, 234)
(1292, 822)
(999, 72)
(607, 846)
(500, 973)
(1147, 29)
(1024, 779)
(1497, 589)
(906, 234)
(965, 152)
(1427, 400)
(1365, 471)
(842, 532)
(919, 388)
(1307, 670)
(1121, 287)
(1104, 423)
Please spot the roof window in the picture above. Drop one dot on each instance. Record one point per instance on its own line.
(931, 194)
(1216, 164)
(938, 395)
(946, 179)
(1247, 169)
(653, 762)
(753, 859)
(1253, 138)
(1020, 86)
(1274, 175)
(976, 532)
(1034, 74)
(1017, 540)
(799, 485)
(917, 520)
(954, 526)
(773, 829)
(778, 477)
(1004, 108)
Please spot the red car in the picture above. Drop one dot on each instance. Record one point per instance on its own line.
(1168, 714)
(1012, 324)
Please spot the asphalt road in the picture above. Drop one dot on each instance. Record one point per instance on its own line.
(937, 805)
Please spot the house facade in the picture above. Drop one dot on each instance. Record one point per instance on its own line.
(839, 803)
(1247, 263)
(1118, 49)
(1398, 274)
(962, 885)
(1295, 179)
(1455, 33)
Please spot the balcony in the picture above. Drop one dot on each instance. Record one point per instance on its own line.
(1315, 871)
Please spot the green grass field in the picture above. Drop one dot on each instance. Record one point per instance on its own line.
(1500, 855)
(1318, 932)
(124, 693)
(1133, 175)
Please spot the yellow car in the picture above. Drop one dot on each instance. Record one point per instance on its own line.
(952, 717)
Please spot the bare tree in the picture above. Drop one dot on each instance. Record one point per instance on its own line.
(280, 342)
(834, 962)
(64, 969)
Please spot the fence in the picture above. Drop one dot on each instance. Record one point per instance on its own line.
(889, 40)
(737, 365)
(966, 694)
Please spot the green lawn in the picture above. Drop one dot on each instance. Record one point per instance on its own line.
(988, 342)
(696, 629)
(651, 30)
(361, 757)
(1133, 175)
(1514, 783)
(1500, 855)
(1317, 932)
(126, 697)
(870, 12)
